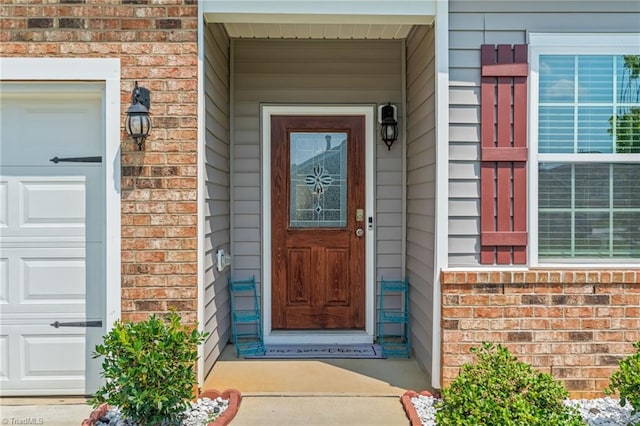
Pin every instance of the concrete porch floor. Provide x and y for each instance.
(320, 377)
(317, 391)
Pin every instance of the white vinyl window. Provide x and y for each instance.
(585, 148)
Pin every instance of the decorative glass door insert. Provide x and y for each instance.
(318, 173)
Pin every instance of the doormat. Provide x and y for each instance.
(319, 351)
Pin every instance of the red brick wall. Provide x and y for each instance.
(156, 41)
(575, 325)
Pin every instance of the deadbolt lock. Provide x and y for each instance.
(359, 215)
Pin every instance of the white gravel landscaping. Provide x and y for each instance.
(595, 412)
(200, 413)
(604, 412)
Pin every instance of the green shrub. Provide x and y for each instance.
(148, 368)
(500, 390)
(626, 380)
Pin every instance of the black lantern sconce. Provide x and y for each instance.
(388, 119)
(138, 122)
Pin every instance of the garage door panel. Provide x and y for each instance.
(4, 281)
(53, 280)
(4, 358)
(44, 208)
(70, 120)
(54, 203)
(4, 203)
(57, 356)
(94, 293)
(43, 281)
(42, 360)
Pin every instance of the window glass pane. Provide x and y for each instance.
(626, 182)
(554, 181)
(627, 130)
(593, 130)
(592, 231)
(628, 76)
(318, 179)
(591, 185)
(556, 78)
(627, 120)
(589, 210)
(554, 234)
(555, 130)
(626, 234)
(595, 79)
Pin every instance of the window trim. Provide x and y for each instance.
(570, 44)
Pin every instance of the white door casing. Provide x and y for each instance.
(57, 239)
(320, 337)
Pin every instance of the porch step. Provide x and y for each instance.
(320, 410)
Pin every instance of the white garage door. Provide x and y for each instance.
(51, 237)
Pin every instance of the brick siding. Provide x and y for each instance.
(575, 325)
(156, 41)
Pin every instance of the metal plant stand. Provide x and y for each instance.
(246, 317)
(393, 321)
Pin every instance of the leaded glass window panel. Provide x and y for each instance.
(318, 180)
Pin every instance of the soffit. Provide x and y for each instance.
(318, 31)
(312, 19)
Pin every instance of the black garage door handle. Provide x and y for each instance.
(57, 160)
(58, 324)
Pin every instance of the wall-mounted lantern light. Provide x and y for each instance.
(388, 119)
(138, 122)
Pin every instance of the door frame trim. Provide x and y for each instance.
(329, 336)
(107, 71)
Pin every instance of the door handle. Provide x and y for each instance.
(359, 232)
(57, 160)
(58, 324)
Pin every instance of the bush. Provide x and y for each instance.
(148, 368)
(626, 380)
(500, 390)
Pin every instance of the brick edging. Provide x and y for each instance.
(234, 397)
(409, 409)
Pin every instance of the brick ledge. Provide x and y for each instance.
(564, 275)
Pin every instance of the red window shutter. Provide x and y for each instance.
(503, 172)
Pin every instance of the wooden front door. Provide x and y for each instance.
(318, 227)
